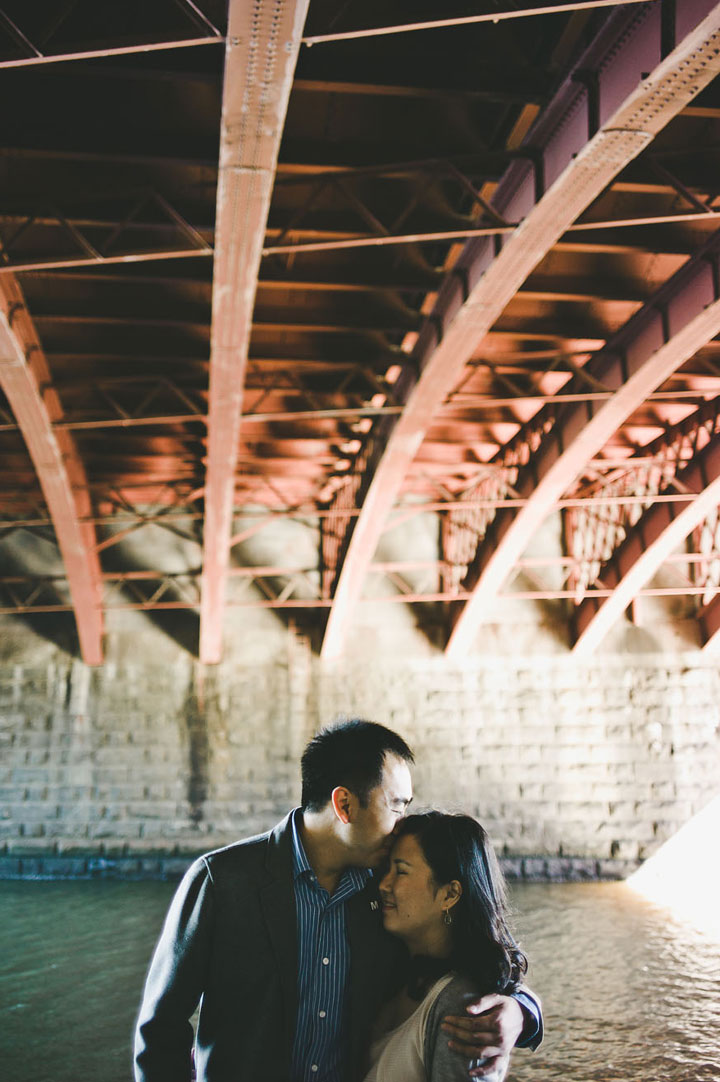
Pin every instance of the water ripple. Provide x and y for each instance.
(629, 993)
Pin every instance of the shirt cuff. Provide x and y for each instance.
(532, 1032)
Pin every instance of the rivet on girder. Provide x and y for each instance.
(624, 357)
(715, 271)
(461, 274)
(591, 81)
(665, 318)
(536, 157)
(13, 310)
(437, 325)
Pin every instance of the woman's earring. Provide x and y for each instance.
(448, 916)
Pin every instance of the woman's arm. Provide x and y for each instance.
(444, 1064)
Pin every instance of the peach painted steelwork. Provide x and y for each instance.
(25, 381)
(653, 538)
(580, 143)
(710, 622)
(262, 47)
(665, 333)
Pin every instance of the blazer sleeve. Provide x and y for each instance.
(533, 1029)
(444, 1065)
(175, 982)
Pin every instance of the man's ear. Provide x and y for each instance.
(341, 800)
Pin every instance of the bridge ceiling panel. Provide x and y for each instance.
(394, 198)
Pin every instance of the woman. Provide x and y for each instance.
(444, 896)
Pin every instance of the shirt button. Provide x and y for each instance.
(314, 1067)
(326, 961)
(322, 1013)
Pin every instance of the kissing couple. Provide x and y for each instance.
(352, 943)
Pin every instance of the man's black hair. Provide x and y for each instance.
(350, 753)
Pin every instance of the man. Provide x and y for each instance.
(280, 938)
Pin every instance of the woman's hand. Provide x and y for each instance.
(489, 1032)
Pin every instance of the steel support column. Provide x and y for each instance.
(669, 329)
(261, 53)
(574, 163)
(26, 383)
(710, 622)
(653, 538)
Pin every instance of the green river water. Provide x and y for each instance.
(629, 993)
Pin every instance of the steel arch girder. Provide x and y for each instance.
(259, 67)
(683, 316)
(547, 198)
(25, 380)
(653, 538)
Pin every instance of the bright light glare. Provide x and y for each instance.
(684, 874)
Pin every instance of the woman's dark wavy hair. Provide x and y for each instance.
(457, 847)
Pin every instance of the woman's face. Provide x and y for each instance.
(412, 904)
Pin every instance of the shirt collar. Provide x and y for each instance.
(356, 878)
(300, 861)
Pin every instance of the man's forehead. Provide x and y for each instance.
(396, 779)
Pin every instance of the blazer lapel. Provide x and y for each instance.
(277, 899)
(366, 986)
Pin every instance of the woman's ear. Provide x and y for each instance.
(451, 894)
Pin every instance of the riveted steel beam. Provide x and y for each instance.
(26, 382)
(30, 606)
(653, 538)
(595, 532)
(95, 54)
(377, 241)
(632, 100)
(210, 35)
(467, 20)
(667, 331)
(261, 53)
(709, 620)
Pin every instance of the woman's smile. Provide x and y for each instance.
(412, 903)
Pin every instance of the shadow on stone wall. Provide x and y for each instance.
(24, 555)
(195, 719)
(182, 626)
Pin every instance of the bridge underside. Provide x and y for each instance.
(280, 279)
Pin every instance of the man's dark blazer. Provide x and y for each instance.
(230, 937)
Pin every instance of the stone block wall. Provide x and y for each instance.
(602, 762)
(576, 769)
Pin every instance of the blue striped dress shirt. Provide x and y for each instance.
(323, 965)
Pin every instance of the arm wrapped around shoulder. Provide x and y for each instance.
(175, 982)
(442, 1063)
